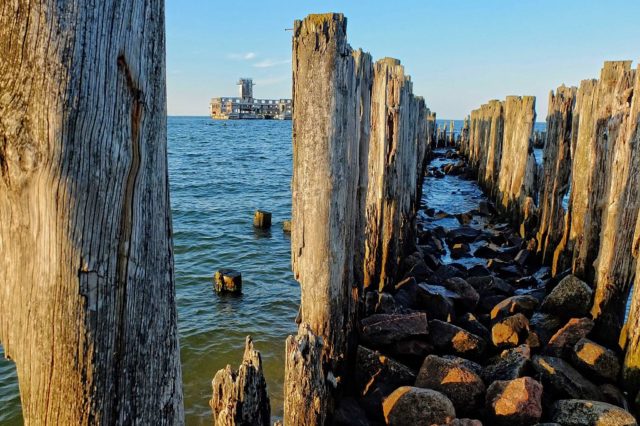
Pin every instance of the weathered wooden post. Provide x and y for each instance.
(86, 258)
(614, 266)
(494, 145)
(556, 171)
(392, 166)
(517, 176)
(325, 179)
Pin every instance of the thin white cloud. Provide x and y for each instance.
(268, 63)
(242, 56)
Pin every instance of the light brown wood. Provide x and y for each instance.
(87, 302)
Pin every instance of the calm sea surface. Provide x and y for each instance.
(220, 172)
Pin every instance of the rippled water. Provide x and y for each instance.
(220, 172)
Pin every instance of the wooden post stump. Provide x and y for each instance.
(262, 219)
(286, 226)
(227, 281)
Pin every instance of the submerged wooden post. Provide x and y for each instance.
(87, 310)
(556, 168)
(614, 266)
(325, 178)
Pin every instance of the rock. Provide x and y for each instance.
(613, 395)
(380, 303)
(577, 412)
(525, 258)
(513, 305)
(489, 285)
(461, 385)
(350, 413)
(470, 323)
(561, 344)
(510, 365)
(467, 363)
(544, 325)
(561, 380)
(487, 251)
(460, 250)
(453, 339)
(570, 298)
(463, 234)
(485, 208)
(376, 376)
(464, 218)
(467, 296)
(510, 331)
(515, 402)
(478, 271)
(443, 273)
(597, 359)
(384, 329)
(413, 349)
(262, 219)
(418, 270)
(411, 406)
(227, 281)
(436, 300)
(463, 422)
(240, 397)
(286, 226)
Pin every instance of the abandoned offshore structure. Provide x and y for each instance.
(247, 108)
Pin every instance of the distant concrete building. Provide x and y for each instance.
(247, 108)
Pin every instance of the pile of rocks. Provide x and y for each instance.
(496, 342)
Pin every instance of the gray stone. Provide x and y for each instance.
(596, 359)
(570, 298)
(561, 380)
(509, 365)
(577, 412)
(450, 338)
(384, 329)
(411, 406)
(515, 402)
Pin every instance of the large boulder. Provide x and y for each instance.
(450, 338)
(437, 300)
(561, 380)
(561, 344)
(411, 406)
(570, 298)
(460, 384)
(523, 304)
(463, 234)
(577, 412)
(510, 331)
(596, 359)
(384, 329)
(545, 325)
(515, 402)
(488, 285)
(376, 376)
(510, 365)
(469, 322)
(467, 295)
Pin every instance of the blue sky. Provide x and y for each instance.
(459, 53)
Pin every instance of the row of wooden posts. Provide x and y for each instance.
(591, 154)
(360, 141)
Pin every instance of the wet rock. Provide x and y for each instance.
(376, 376)
(467, 296)
(577, 412)
(464, 218)
(596, 359)
(487, 251)
(380, 303)
(450, 338)
(509, 365)
(406, 292)
(525, 258)
(570, 298)
(460, 250)
(470, 323)
(561, 380)
(444, 273)
(486, 208)
(437, 300)
(515, 402)
(416, 267)
(562, 342)
(412, 406)
(286, 226)
(511, 331)
(467, 363)
(545, 325)
(489, 286)
(385, 329)
(463, 234)
(461, 385)
(412, 350)
(478, 271)
(514, 305)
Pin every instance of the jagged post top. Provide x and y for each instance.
(329, 24)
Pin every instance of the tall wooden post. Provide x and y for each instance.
(87, 310)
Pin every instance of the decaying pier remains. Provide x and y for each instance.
(366, 152)
(591, 152)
